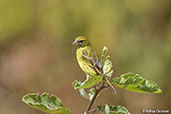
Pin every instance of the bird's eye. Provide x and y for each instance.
(81, 41)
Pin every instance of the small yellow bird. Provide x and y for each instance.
(87, 59)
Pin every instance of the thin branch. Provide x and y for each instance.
(101, 86)
(95, 88)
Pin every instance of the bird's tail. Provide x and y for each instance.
(107, 81)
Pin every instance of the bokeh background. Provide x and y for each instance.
(36, 52)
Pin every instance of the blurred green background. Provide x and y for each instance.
(36, 52)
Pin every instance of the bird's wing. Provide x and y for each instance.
(93, 61)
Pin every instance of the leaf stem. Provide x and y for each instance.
(101, 86)
(93, 111)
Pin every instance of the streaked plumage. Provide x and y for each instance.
(87, 59)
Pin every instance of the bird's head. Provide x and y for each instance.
(81, 41)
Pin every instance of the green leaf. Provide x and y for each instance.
(108, 67)
(104, 51)
(89, 82)
(105, 109)
(135, 82)
(84, 94)
(91, 93)
(45, 102)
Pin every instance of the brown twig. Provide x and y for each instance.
(101, 86)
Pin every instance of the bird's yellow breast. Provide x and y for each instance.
(84, 63)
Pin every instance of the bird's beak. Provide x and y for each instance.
(75, 43)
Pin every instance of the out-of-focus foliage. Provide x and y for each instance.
(16, 17)
(36, 53)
